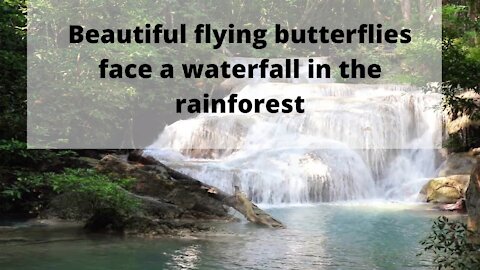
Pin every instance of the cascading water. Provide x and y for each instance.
(354, 142)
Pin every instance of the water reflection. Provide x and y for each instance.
(185, 258)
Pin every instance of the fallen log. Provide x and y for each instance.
(182, 190)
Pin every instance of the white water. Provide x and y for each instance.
(355, 142)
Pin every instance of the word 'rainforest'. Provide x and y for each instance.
(232, 104)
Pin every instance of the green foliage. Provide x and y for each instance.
(461, 57)
(80, 193)
(448, 244)
(422, 49)
(455, 143)
(461, 71)
(24, 193)
(13, 69)
(88, 192)
(23, 184)
(15, 153)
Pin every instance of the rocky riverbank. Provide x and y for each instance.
(156, 201)
(448, 190)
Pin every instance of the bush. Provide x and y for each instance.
(75, 193)
(23, 193)
(461, 72)
(87, 192)
(13, 69)
(15, 153)
(423, 49)
(449, 246)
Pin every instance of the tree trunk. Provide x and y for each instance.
(406, 10)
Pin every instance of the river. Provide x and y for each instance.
(361, 235)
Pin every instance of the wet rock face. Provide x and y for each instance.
(472, 202)
(147, 226)
(162, 195)
(457, 164)
(453, 179)
(167, 195)
(167, 205)
(105, 220)
(445, 189)
(109, 222)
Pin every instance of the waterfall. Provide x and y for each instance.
(354, 142)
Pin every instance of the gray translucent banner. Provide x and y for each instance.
(70, 105)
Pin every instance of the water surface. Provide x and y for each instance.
(325, 236)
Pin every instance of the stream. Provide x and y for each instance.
(361, 235)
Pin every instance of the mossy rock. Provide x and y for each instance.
(445, 189)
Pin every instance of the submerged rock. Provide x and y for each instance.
(445, 189)
(459, 206)
(148, 226)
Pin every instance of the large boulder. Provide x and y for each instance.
(164, 195)
(445, 189)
